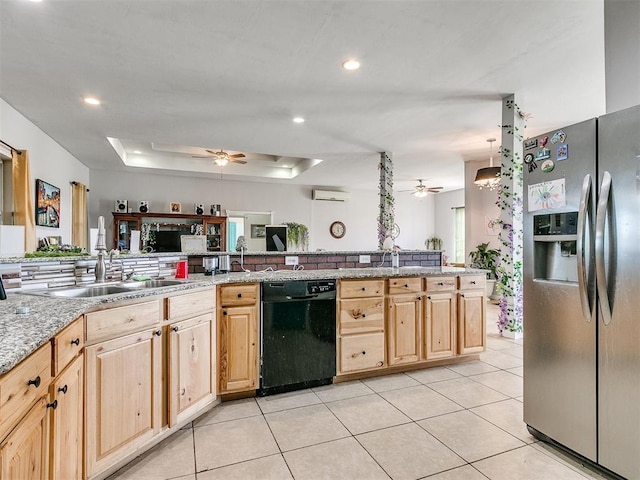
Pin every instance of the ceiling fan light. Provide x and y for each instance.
(221, 162)
(488, 177)
(420, 193)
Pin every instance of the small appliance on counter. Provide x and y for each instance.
(210, 265)
(224, 264)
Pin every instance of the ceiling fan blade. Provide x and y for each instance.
(201, 156)
(211, 151)
(237, 155)
(233, 160)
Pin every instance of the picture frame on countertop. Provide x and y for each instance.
(193, 243)
(47, 204)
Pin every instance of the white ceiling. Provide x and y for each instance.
(231, 74)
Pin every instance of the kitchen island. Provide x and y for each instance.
(166, 355)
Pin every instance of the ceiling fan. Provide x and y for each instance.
(222, 158)
(421, 190)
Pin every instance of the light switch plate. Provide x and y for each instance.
(365, 259)
(291, 260)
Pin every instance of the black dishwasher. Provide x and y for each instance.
(298, 348)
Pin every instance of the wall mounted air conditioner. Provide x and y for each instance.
(331, 195)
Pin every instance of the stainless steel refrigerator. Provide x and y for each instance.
(582, 289)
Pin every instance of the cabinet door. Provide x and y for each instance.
(24, 454)
(67, 422)
(238, 354)
(191, 366)
(405, 313)
(123, 398)
(471, 322)
(439, 326)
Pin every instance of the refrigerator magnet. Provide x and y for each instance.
(543, 154)
(547, 166)
(543, 141)
(559, 137)
(528, 158)
(530, 143)
(562, 152)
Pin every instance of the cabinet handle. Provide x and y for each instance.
(35, 383)
(63, 389)
(462, 294)
(428, 297)
(406, 285)
(175, 329)
(157, 333)
(224, 312)
(473, 282)
(363, 289)
(441, 283)
(354, 355)
(379, 364)
(239, 295)
(76, 342)
(364, 315)
(53, 405)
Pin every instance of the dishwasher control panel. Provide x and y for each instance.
(314, 288)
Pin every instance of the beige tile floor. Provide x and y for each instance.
(447, 423)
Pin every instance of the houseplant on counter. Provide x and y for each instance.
(487, 259)
(297, 237)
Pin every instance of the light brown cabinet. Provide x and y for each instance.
(67, 421)
(440, 325)
(123, 396)
(404, 328)
(24, 453)
(361, 325)
(472, 314)
(192, 380)
(238, 338)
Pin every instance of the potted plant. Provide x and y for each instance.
(297, 236)
(487, 259)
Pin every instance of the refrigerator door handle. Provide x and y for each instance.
(601, 273)
(585, 214)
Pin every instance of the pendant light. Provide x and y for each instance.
(488, 177)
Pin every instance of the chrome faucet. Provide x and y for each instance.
(101, 266)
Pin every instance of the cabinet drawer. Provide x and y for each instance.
(361, 352)
(21, 386)
(440, 284)
(405, 285)
(241, 294)
(471, 282)
(361, 315)
(67, 345)
(115, 322)
(361, 288)
(190, 304)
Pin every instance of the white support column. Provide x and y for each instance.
(510, 203)
(386, 216)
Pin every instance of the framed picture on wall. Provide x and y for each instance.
(47, 204)
(258, 231)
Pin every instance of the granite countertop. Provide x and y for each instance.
(22, 334)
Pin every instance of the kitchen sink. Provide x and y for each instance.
(150, 284)
(82, 292)
(101, 290)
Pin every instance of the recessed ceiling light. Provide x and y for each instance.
(298, 120)
(92, 101)
(351, 64)
(137, 152)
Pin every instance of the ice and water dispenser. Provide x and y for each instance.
(554, 239)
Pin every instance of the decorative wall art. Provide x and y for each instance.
(47, 204)
(258, 231)
(175, 207)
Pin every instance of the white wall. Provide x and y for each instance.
(480, 205)
(445, 219)
(48, 161)
(289, 203)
